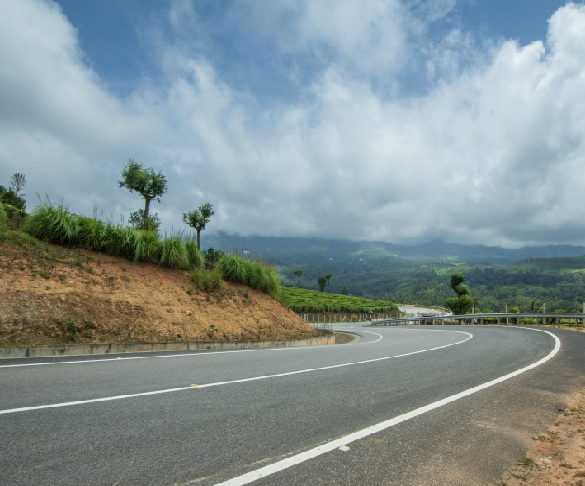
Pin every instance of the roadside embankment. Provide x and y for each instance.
(93, 349)
(55, 296)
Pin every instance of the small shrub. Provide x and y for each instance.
(211, 257)
(3, 219)
(71, 329)
(205, 280)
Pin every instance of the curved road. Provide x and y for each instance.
(402, 405)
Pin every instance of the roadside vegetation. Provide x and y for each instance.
(140, 241)
(52, 256)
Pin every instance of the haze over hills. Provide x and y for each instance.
(280, 250)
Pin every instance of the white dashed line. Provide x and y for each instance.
(208, 385)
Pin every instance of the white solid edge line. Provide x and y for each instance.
(330, 446)
(27, 364)
(372, 342)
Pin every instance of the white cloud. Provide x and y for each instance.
(492, 155)
(364, 35)
(58, 124)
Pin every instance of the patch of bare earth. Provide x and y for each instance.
(54, 296)
(557, 457)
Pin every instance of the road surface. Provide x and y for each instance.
(402, 405)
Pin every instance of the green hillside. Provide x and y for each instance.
(303, 300)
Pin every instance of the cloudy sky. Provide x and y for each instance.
(394, 120)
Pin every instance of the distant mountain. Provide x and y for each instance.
(498, 277)
(283, 250)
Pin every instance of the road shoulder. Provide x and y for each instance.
(345, 337)
(557, 456)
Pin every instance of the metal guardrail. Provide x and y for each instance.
(465, 319)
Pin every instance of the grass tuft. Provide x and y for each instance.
(254, 273)
(53, 223)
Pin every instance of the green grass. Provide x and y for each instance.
(371, 250)
(54, 223)
(253, 272)
(303, 300)
(3, 219)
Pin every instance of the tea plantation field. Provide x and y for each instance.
(303, 300)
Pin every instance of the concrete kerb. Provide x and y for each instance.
(90, 349)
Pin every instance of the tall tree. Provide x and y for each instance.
(17, 182)
(463, 301)
(146, 182)
(198, 218)
(298, 273)
(324, 281)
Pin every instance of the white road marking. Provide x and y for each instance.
(336, 366)
(100, 360)
(208, 385)
(27, 364)
(200, 354)
(348, 439)
(372, 342)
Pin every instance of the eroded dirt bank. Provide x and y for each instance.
(51, 295)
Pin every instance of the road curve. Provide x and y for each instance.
(407, 405)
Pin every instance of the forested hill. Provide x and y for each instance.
(281, 250)
(421, 274)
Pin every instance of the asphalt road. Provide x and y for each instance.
(414, 405)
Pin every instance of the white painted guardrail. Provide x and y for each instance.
(465, 319)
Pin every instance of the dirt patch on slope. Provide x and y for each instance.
(557, 457)
(54, 295)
